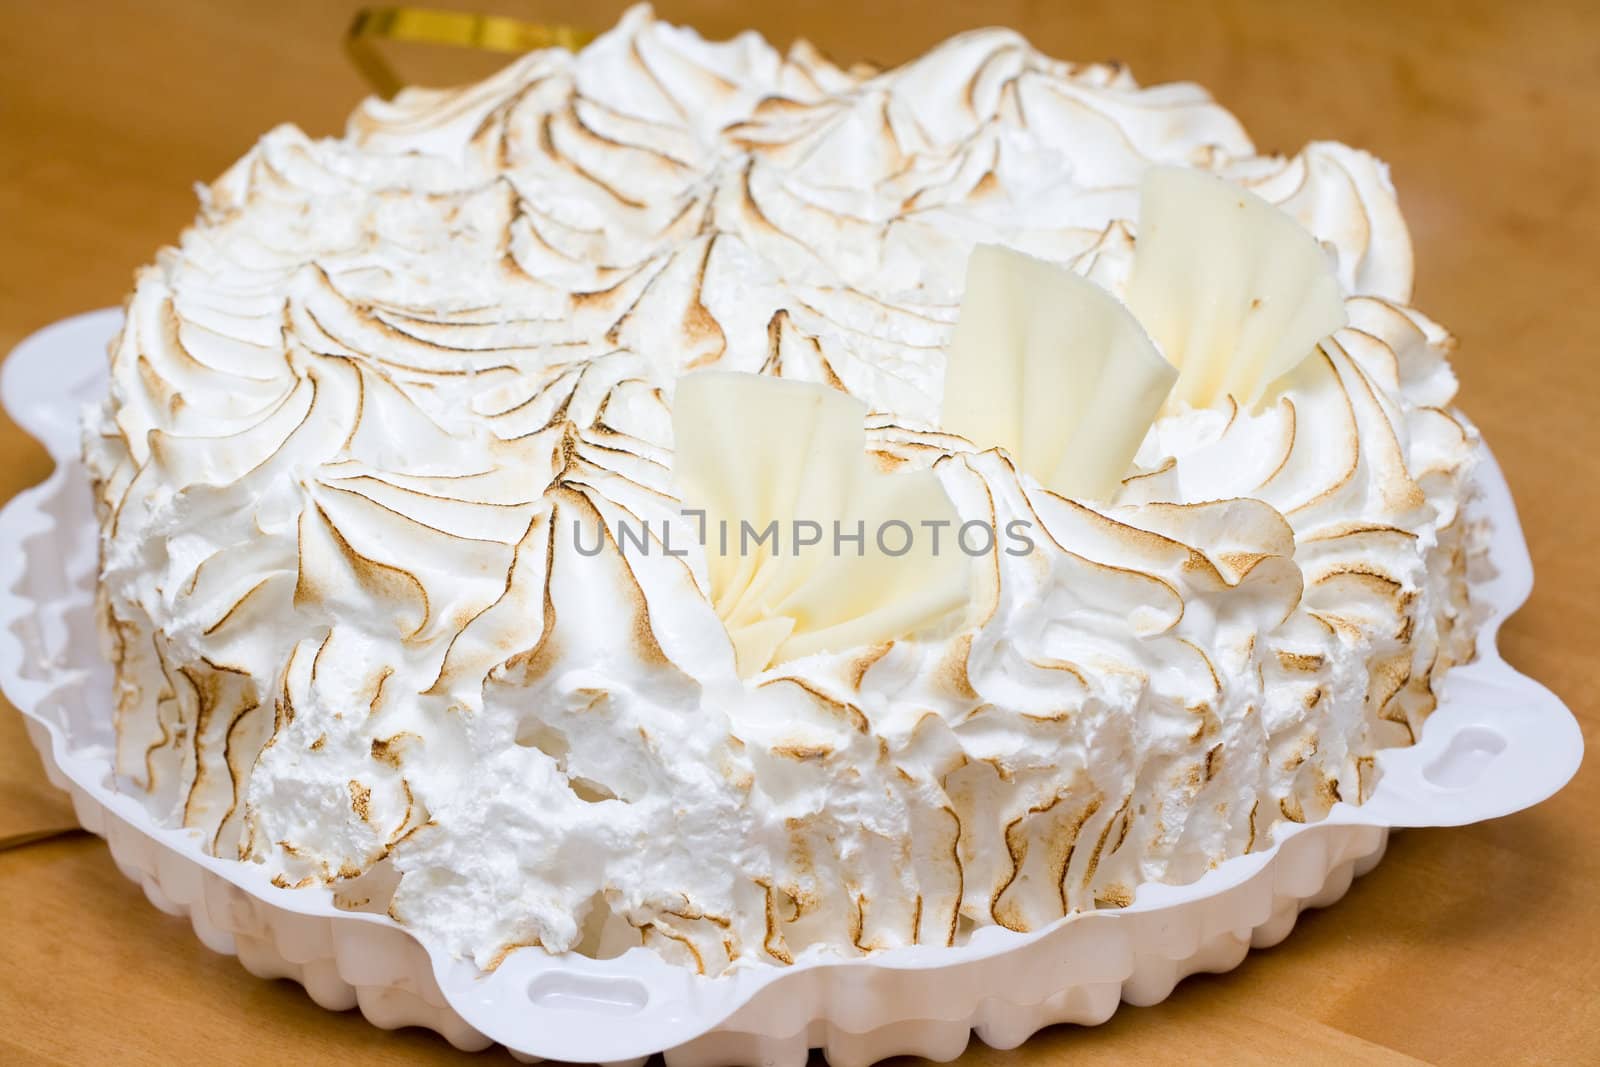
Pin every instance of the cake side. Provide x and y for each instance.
(367, 417)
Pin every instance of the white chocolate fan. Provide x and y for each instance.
(1227, 294)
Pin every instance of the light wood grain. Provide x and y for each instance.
(1465, 946)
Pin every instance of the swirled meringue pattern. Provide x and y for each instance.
(359, 413)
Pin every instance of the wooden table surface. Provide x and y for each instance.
(1465, 946)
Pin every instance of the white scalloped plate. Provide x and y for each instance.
(1498, 743)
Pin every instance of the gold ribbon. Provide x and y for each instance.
(459, 29)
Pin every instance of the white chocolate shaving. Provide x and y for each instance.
(1234, 290)
(752, 451)
(1052, 368)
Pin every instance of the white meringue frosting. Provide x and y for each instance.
(358, 414)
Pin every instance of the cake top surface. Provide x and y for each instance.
(367, 416)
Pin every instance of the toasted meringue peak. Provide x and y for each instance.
(1051, 367)
(380, 425)
(758, 456)
(1234, 290)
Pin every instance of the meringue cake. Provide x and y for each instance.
(406, 465)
